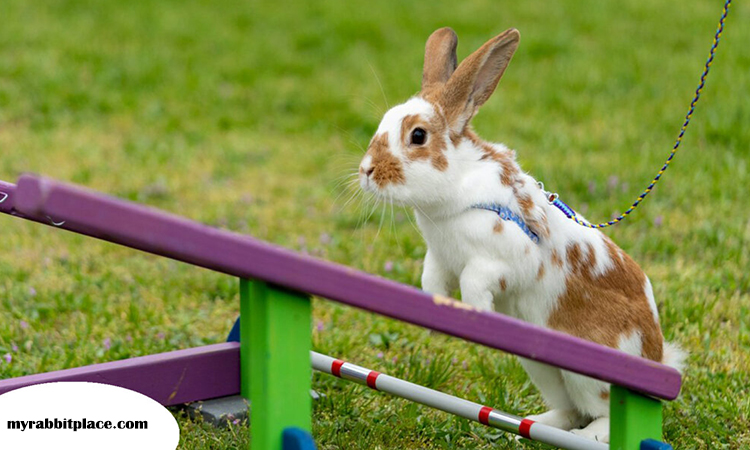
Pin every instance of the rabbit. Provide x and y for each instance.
(491, 231)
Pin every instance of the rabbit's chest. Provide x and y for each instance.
(476, 235)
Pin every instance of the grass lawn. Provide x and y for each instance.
(252, 115)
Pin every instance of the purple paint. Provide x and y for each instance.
(169, 378)
(174, 237)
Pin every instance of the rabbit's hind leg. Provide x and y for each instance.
(550, 383)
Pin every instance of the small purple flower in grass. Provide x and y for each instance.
(454, 360)
(325, 238)
(235, 421)
(388, 267)
(464, 364)
(24, 325)
(428, 361)
(8, 358)
(612, 182)
(658, 221)
(107, 343)
(380, 355)
(14, 347)
(394, 359)
(32, 291)
(320, 326)
(160, 335)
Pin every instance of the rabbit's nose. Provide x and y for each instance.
(366, 172)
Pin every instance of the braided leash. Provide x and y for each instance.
(571, 214)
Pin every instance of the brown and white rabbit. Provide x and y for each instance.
(491, 231)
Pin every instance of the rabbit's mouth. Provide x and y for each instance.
(388, 193)
(365, 181)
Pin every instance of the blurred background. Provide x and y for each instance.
(253, 116)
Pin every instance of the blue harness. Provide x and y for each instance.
(506, 214)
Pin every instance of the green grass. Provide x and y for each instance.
(245, 115)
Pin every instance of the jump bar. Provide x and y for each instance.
(453, 405)
(157, 232)
(170, 378)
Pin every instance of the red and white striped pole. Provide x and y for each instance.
(453, 405)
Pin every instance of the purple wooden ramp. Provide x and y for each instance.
(169, 378)
(167, 235)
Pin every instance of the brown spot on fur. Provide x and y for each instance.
(540, 272)
(604, 395)
(604, 307)
(456, 138)
(556, 260)
(536, 220)
(386, 167)
(510, 170)
(526, 203)
(498, 228)
(503, 284)
(434, 148)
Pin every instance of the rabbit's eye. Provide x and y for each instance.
(418, 136)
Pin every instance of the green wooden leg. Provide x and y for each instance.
(275, 347)
(633, 418)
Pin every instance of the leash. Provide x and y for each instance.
(554, 199)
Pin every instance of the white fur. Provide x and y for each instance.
(674, 356)
(651, 301)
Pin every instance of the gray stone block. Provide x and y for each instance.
(221, 411)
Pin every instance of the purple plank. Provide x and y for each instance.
(169, 378)
(164, 234)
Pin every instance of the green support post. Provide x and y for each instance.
(275, 342)
(633, 418)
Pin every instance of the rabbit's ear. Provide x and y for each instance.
(476, 78)
(439, 58)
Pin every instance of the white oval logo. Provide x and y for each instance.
(84, 416)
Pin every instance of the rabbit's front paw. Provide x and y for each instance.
(597, 430)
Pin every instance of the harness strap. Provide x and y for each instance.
(506, 214)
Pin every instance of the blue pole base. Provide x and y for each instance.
(297, 439)
(651, 444)
(234, 334)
